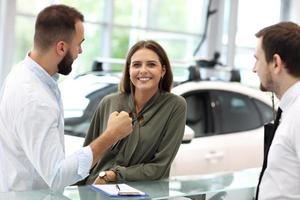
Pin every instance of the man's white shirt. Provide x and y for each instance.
(32, 134)
(281, 179)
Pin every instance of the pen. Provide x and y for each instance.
(118, 187)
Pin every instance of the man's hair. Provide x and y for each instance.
(167, 80)
(283, 39)
(55, 23)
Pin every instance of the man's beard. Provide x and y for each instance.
(65, 65)
(263, 88)
(268, 86)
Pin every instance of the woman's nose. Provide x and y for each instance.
(143, 67)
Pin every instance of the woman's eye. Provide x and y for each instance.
(135, 65)
(151, 64)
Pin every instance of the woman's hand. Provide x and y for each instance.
(109, 176)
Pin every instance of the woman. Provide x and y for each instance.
(158, 119)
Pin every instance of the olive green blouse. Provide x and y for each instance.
(148, 152)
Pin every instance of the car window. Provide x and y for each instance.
(236, 112)
(97, 96)
(265, 111)
(198, 113)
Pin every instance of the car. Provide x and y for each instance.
(224, 125)
(81, 96)
(227, 119)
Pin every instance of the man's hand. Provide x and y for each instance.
(120, 124)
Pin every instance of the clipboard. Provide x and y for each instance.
(118, 190)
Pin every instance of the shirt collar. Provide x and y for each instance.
(149, 103)
(290, 96)
(39, 71)
(144, 112)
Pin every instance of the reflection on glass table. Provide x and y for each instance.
(238, 185)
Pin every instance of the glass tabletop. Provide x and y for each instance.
(237, 185)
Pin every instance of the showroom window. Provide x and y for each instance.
(251, 17)
(112, 26)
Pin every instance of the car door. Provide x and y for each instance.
(228, 133)
(205, 153)
(241, 122)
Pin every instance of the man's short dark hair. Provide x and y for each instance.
(55, 23)
(283, 39)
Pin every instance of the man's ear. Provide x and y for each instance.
(61, 48)
(278, 63)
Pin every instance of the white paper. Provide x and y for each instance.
(113, 190)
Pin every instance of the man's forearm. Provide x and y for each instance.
(101, 144)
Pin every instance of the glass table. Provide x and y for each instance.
(236, 185)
